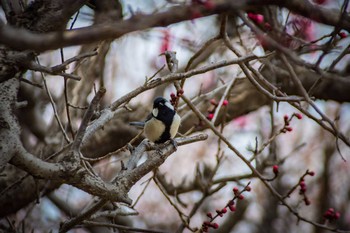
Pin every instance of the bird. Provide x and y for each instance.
(162, 123)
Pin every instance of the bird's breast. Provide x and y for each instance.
(154, 129)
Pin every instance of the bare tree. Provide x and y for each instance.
(284, 64)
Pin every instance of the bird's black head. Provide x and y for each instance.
(163, 110)
(162, 103)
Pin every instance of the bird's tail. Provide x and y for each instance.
(137, 124)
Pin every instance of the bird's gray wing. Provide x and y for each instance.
(140, 124)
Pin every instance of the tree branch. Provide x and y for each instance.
(130, 177)
(127, 178)
(48, 41)
(9, 129)
(88, 114)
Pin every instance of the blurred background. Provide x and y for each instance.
(163, 199)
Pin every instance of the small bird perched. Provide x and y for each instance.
(162, 123)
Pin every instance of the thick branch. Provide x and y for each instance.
(130, 177)
(54, 40)
(127, 178)
(9, 129)
(35, 166)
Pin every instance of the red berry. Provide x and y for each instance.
(299, 116)
(259, 19)
(275, 169)
(206, 223)
(172, 96)
(248, 188)
(232, 208)
(289, 128)
(342, 35)
(210, 116)
(331, 214)
(337, 215)
(225, 103)
(252, 16)
(180, 92)
(235, 189)
(215, 225)
(311, 173)
(224, 210)
(213, 102)
(331, 210)
(209, 215)
(241, 197)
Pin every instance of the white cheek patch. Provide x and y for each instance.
(169, 105)
(155, 112)
(175, 125)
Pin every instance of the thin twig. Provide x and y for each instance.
(65, 92)
(142, 192)
(223, 97)
(81, 217)
(74, 20)
(31, 83)
(255, 172)
(58, 70)
(181, 75)
(87, 116)
(341, 55)
(49, 70)
(200, 51)
(184, 218)
(334, 33)
(154, 75)
(287, 195)
(70, 126)
(298, 83)
(125, 147)
(252, 168)
(54, 106)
